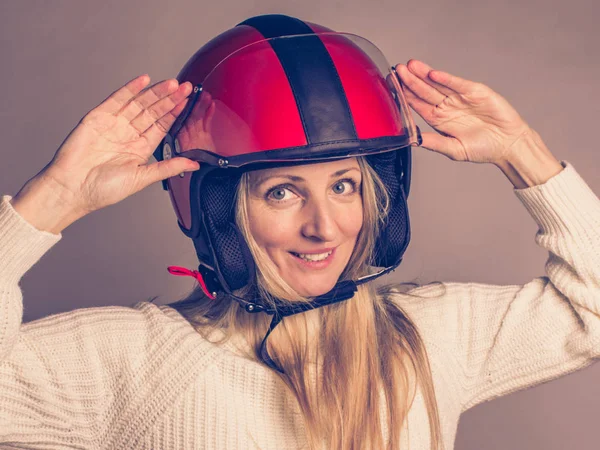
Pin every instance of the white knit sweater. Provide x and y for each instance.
(142, 378)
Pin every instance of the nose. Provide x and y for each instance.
(319, 221)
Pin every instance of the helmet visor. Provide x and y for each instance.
(293, 98)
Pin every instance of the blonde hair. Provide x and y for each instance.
(366, 351)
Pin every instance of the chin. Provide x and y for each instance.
(309, 284)
(315, 290)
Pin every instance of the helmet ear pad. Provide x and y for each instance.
(232, 259)
(394, 235)
(234, 265)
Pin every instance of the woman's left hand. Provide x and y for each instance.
(474, 123)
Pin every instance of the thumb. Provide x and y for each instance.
(444, 144)
(168, 168)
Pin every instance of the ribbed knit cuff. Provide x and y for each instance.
(21, 244)
(564, 204)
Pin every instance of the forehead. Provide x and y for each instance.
(305, 171)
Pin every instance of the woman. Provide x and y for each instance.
(357, 368)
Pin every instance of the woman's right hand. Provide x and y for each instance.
(104, 158)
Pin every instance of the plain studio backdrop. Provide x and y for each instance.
(61, 58)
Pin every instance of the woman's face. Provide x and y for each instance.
(307, 219)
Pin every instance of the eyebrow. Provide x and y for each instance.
(296, 178)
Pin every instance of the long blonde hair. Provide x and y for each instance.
(366, 351)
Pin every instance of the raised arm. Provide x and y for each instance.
(94, 377)
(505, 338)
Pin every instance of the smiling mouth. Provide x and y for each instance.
(313, 257)
(316, 261)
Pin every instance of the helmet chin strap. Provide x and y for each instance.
(343, 290)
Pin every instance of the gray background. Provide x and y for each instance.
(61, 58)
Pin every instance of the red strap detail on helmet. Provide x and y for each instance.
(183, 272)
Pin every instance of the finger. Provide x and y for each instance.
(119, 98)
(421, 107)
(155, 133)
(446, 82)
(447, 146)
(148, 97)
(156, 111)
(168, 168)
(423, 71)
(422, 89)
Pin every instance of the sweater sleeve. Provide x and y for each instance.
(502, 339)
(89, 378)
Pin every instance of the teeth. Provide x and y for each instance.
(313, 257)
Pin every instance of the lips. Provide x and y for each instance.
(312, 256)
(315, 252)
(321, 264)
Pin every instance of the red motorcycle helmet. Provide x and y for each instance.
(275, 90)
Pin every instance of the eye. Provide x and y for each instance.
(283, 193)
(278, 194)
(340, 187)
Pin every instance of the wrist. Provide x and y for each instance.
(530, 162)
(44, 205)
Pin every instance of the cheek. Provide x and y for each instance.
(271, 228)
(352, 220)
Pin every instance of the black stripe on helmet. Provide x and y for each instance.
(313, 78)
